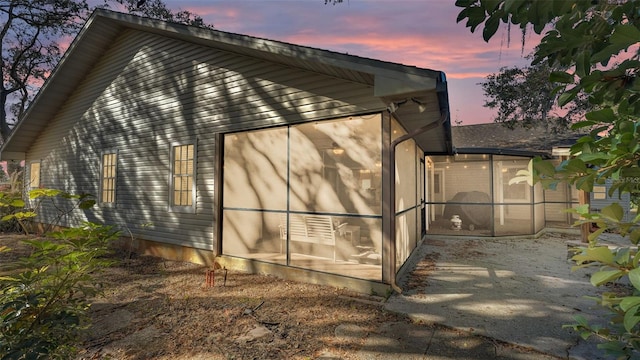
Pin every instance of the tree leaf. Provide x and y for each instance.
(594, 235)
(566, 97)
(605, 276)
(490, 27)
(634, 237)
(490, 5)
(561, 77)
(634, 277)
(583, 124)
(512, 5)
(605, 115)
(600, 254)
(631, 319)
(543, 167)
(629, 302)
(623, 36)
(613, 211)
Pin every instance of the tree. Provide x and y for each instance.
(157, 9)
(524, 96)
(32, 33)
(30, 48)
(597, 42)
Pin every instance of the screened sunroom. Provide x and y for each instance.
(311, 195)
(477, 190)
(306, 195)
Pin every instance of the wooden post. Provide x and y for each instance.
(585, 229)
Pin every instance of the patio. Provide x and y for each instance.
(520, 291)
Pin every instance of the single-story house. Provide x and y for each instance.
(267, 156)
(474, 183)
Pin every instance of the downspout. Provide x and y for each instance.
(392, 189)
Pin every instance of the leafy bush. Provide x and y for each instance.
(43, 308)
(621, 335)
(10, 203)
(592, 48)
(63, 202)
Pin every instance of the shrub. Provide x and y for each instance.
(43, 308)
(621, 333)
(63, 202)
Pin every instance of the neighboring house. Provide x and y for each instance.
(599, 198)
(270, 156)
(474, 183)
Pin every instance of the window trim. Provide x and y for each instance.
(102, 177)
(182, 208)
(30, 183)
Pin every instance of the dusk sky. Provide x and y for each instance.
(421, 33)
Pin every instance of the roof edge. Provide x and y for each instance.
(499, 151)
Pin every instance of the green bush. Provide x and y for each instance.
(10, 203)
(592, 48)
(62, 202)
(43, 308)
(613, 266)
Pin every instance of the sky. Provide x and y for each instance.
(421, 33)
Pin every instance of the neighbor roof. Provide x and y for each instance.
(496, 138)
(391, 82)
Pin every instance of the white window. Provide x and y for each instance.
(182, 182)
(108, 177)
(34, 175)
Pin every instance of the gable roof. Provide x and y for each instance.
(391, 82)
(497, 138)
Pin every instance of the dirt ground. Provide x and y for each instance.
(156, 309)
(163, 310)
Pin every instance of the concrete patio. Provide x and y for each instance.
(518, 290)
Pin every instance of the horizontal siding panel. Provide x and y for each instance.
(147, 93)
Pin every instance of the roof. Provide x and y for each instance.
(391, 82)
(497, 138)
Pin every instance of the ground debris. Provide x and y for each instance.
(164, 306)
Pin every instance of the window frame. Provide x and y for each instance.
(39, 182)
(29, 183)
(182, 208)
(102, 178)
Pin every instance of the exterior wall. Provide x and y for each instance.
(148, 93)
(600, 199)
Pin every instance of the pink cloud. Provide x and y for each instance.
(421, 33)
(418, 33)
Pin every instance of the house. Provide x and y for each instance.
(474, 183)
(268, 156)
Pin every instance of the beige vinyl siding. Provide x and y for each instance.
(149, 92)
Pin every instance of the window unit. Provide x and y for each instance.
(108, 177)
(182, 196)
(34, 175)
(33, 180)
